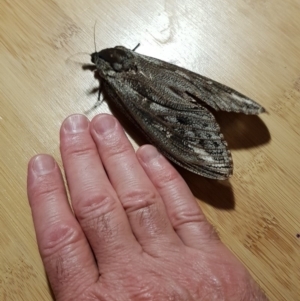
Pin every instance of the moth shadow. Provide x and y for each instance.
(242, 131)
(218, 194)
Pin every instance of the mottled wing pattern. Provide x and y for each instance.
(184, 131)
(214, 94)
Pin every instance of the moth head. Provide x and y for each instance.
(115, 57)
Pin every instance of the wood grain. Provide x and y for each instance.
(250, 45)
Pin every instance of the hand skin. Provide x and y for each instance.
(137, 235)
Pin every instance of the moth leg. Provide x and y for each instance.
(99, 92)
(98, 102)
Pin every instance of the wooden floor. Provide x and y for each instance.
(250, 45)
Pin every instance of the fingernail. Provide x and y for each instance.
(43, 164)
(75, 124)
(149, 153)
(104, 124)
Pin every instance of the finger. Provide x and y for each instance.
(186, 216)
(143, 204)
(94, 200)
(66, 254)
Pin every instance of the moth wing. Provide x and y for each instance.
(210, 92)
(185, 132)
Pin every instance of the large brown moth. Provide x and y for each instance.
(166, 103)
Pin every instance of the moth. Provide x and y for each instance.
(168, 104)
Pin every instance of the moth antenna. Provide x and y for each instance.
(138, 45)
(95, 36)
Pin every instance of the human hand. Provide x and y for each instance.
(138, 234)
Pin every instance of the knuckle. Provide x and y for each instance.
(47, 187)
(181, 218)
(59, 238)
(117, 148)
(59, 249)
(143, 206)
(77, 147)
(94, 204)
(185, 215)
(95, 214)
(139, 199)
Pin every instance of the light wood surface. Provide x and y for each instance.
(250, 45)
